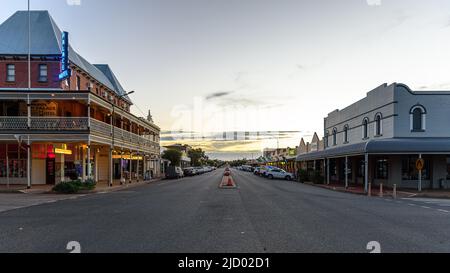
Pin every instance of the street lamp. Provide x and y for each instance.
(113, 130)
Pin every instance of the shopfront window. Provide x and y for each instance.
(361, 168)
(410, 172)
(448, 168)
(13, 161)
(382, 170)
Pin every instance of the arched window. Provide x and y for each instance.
(334, 137)
(418, 118)
(365, 128)
(326, 139)
(378, 124)
(346, 134)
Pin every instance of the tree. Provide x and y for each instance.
(197, 156)
(174, 156)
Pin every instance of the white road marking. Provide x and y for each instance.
(424, 207)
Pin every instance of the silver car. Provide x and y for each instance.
(279, 174)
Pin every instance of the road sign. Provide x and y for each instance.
(420, 164)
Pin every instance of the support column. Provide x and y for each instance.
(89, 167)
(137, 167)
(130, 166)
(328, 171)
(346, 172)
(96, 155)
(28, 112)
(28, 163)
(63, 173)
(420, 176)
(89, 113)
(366, 173)
(83, 164)
(111, 167)
(122, 180)
(7, 167)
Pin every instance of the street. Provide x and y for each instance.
(193, 215)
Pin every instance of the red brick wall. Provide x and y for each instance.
(53, 68)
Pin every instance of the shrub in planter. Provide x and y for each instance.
(73, 187)
(67, 188)
(89, 185)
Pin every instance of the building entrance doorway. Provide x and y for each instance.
(50, 171)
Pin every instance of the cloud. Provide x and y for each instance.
(438, 86)
(218, 95)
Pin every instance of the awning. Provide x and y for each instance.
(384, 146)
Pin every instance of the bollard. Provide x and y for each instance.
(394, 193)
(381, 190)
(370, 190)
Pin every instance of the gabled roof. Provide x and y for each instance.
(46, 40)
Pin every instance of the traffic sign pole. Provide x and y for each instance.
(420, 172)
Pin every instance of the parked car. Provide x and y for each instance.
(276, 173)
(190, 171)
(199, 170)
(264, 170)
(174, 173)
(257, 171)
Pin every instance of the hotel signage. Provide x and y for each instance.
(65, 70)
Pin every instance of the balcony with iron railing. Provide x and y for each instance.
(55, 125)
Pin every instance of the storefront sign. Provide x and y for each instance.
(62, 151)
(65, 70)
(127, 157)
(44, 109)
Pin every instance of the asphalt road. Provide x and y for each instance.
(192, 215)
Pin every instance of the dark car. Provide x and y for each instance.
(174, 173)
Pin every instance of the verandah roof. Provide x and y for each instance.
(384, 146)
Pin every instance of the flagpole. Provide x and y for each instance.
(29, 47)
(28, 101)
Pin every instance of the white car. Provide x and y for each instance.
(279, 174)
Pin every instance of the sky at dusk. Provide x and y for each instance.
(272, 68)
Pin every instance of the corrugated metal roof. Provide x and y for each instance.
(386, 146)
(46, 40)
(106, 70)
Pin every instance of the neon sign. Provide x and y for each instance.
(65, 70)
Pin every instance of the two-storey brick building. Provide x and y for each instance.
(78, 128)
(394, 136)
